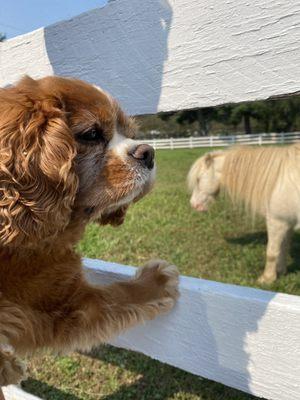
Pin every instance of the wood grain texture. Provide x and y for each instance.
(160, 55)
(242, 337)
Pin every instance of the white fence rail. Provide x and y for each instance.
(242, 337)
(223, 141)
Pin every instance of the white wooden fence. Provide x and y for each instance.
(223, 141)
(163, 55)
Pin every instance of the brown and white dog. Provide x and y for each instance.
(67, 157)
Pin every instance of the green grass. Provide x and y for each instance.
(221, 245)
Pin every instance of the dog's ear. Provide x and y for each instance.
(114, 218)
(38, 182)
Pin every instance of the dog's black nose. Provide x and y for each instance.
(145, 154)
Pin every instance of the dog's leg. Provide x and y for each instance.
(1, 395)
(12, 370)
(279, 235)
(99, 313)
(14, 327)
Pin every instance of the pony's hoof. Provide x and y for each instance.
(266, 280)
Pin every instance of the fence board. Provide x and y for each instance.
(165, 55)
(242, 337)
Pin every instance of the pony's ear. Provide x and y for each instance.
(38, 182)
(114, 218)
(208, 159)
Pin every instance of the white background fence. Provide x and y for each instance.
(222, 141)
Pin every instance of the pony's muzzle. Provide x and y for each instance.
(198, 206)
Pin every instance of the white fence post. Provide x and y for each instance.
(191, 142)
(260, 140)
(211, 141)
(171, 143)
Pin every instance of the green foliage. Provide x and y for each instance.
(272, 115)
(2, 37)
(203, 116)
(281, 115)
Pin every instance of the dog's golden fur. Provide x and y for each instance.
(55, 178)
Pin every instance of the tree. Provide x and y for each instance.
(2, 37)
(206, 116)
(203, 117)
(243, 112)
(285, 114)
(281, 115)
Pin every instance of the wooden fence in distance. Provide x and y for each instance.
(224, 141)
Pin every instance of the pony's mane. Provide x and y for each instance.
(249, 174)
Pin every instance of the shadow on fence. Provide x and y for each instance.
(114, 42)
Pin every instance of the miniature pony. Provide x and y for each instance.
(266, 180)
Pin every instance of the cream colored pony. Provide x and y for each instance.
(266, 180)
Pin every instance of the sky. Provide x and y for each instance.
(22, 16)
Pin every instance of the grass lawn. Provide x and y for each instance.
(221, 245)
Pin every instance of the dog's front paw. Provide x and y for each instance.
(12, 370)
(160, 282)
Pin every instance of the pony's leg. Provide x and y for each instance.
(286, 245)
(279, 235)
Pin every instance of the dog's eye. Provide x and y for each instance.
(93, 135)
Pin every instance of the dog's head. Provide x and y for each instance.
(66, 151)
